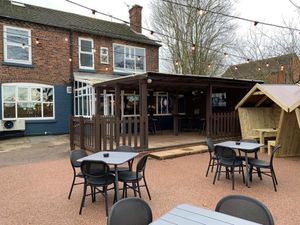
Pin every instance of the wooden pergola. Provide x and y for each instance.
(225, 123)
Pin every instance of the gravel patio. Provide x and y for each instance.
(36, 192)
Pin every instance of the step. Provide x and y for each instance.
(178, 152)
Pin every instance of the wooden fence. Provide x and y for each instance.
(225, 124)
(102, 133)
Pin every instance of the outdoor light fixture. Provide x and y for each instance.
(267, 64)
(149, 80)
(235, 67)
(259, 69)
(66, 39)
(37, 41)
(281, 67)
(193, 47)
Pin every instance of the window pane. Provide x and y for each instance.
(36, 94)
(48, 94)
(23, 94)
(104, 51)
(119, 56)
(48, 109)
(86, 60)
(104, 58)
(139, 58)
(17, 36)
(18, 53)
(29, 109)
(129, 105)
(137, 104)
(9, 110)
(9, 93)
(129, 64)
(86, 46)
(163, 104)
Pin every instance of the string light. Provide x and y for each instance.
(255, 23)
(281, 67)
(226, 54)
(151, 32)
(66, 39)
(209, 66)
(37, 41)
(267, 64)
(70, 60)
(248, 60)
(193, 47)
(106, 68)
(259, 69)
(235, 67)
(23, 45)
(94, 50)
(200, 12)
(176, 63)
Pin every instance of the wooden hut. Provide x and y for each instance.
(272, 111)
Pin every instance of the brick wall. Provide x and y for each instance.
(50, 58)
(151, 53)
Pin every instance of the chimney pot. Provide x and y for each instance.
(135, 16)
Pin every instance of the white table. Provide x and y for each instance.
(245, 147)
(186, 214)
(115, 158)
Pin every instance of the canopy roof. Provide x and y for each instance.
(285, 96)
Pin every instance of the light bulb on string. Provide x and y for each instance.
(200, 12)
(235, 67)
(37, 41)
(281, 67)
(259, 68)
(209, 66)
(193, 47)
(267, 64)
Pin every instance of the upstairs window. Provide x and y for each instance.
(104, 55)
(17, 45)
(129, 59)
(86, 54)
(27, 101)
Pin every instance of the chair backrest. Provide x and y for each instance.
(246, 208)
(141, 165)
(94, 168)
(210, 145)
(125, 148)
(75, 155)
(224, 152)
(274, 150)
(130, 211)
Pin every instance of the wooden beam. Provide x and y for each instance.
(143, 114)
(175, 115)
(297, 111)
(208, 110)
(117, 113)
(264, 98)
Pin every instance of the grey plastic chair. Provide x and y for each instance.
(265, 167)
(212, 157)
(130, 211)
(74, 156)
(246, 208)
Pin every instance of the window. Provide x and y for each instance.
(17, 45)
(104, 55)
(129, 59)
(28, 101)
(84, 102)
(130, 104)
(86, 54)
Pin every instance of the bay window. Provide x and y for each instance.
(28, 101)
(129, 59)
(17, 45)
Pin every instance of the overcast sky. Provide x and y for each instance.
(271, 11)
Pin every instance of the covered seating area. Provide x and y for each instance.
(176, 103)
(271, 113)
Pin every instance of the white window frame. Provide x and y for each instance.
(101, 54)
(157, 95)
(124, 70)
(123, 94)
(29, 86)
(78, 97)
(84, 52)
(27, 45)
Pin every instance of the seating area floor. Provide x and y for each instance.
(35, 192)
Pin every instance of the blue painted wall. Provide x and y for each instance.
(59, 125)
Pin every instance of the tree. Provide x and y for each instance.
(196, 38)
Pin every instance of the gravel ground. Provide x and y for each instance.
(35, 191)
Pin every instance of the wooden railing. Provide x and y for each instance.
(224, 124)
(101, 133)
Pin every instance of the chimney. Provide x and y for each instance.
(135, 16)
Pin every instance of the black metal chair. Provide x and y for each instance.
(226, 157)
(134, 178)
(130, 211)
(124, 148)
(96, 175)
(74, 156)
(212, 157)
(246, 208)
(261, 166)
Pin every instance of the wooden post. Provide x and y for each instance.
(208, 110)
(81, 127)
(175, 115)
(143, 114)
(117, 114)
(71, 128)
